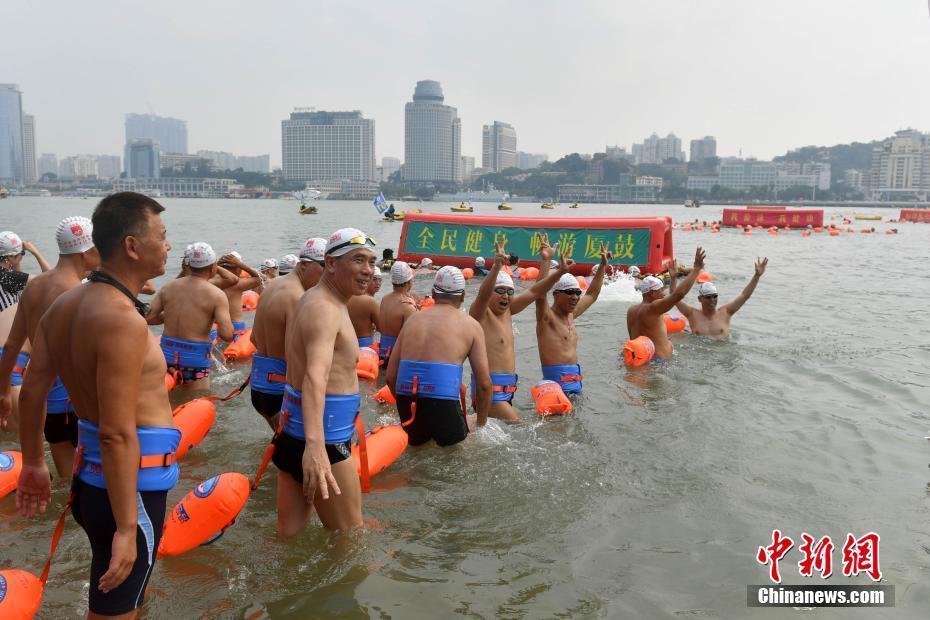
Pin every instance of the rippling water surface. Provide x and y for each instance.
(650, 501)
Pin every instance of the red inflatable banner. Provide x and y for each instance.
(778, 217)
(915, 215)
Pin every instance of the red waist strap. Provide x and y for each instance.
(19, 369)
(509, 389)
(275, 378)
(575, 377)
(156, 460)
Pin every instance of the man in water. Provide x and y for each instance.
(288, 264)
(365, 311)
(494, 309)
(427, 265)
(269, 331)
(396, 307)
(76, 257)
(95, 338)
(555, 325)
(387, 259)
(479, 268)
(321, 398)
(711, 320)
(269, 269)
(389, 212)
(425, 371)
(513, 265)
(645, 319)
(188, 307)
(233, 263)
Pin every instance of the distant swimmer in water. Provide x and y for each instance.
(269, 330)
(425, 371)
(479, 268)
(645, 319)
(494, 309)
(555, 324)
(364, 311)
(396, 308)
(94, 337)
(427, 265)
(188, 307)
(77, 256)
(710, 319)
(269, 269)
(233, 263)
(321, 399)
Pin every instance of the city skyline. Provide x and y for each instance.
(722, 67)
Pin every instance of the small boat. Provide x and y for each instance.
(573, 206)
(305, 210)
(463, 208)
(400, 215)
(547, 205)
(504, 207)
(869, 217)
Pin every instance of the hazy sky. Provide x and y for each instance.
(570, 75)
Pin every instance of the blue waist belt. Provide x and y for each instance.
(338, 415)
(213, 335)
(58, 401)
(503, 386)
(366, 341)
(22, 360)
(238, 329)
(157, 469)
(434, 379)
(387, 343)
(568, 375)
(269, 374)
(186, 353)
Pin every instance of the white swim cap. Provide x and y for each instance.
(236, 254)
(345, 240)
(401, 273)
(74, 235)
(426, 262)
(504, 279)
(706, 288)
(566, 283)
(634, 271)
(200, 255)
(268, 264)
(187, 255)
(314, 249)
(10, 243)
(449, 280)
(650, 283)
(287, 263)
(479, 261)
(376, 274)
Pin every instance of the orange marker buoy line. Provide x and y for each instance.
(194, 420)
(550, 399)
(638, 351)
(204, 514)
(384, 445)
(367, 365)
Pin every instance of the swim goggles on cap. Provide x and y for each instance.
(358, 240)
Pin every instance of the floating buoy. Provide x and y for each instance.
(203, 514)
(818, 229)
(20, 594)
(686, 228)
(170, 381)
(834, 233)
(11, 463)
(194, 420)
(384, 396)
(582, 283)
(674, 324)
(367, 365)
(806, 233)
(242, 349)
(773, 231)
(468, 273)
(705, 276)
(638, 351)
(865, 230)
(383, 445)
(427, 302)
(530, 273)
(747, 230)
(890, 231)
(714, 230)
(249, 301)
(550, 399)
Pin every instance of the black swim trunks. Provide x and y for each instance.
(289, 454)
(440, 420)
(91, 509)
(268, 405)
(60, 427)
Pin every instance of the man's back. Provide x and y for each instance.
(190, 308)
(40, 293)
(396, 308)
(642, 321)
(441, 333)
(275, 307)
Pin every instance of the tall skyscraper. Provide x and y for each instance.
(142, 159)
(432, 137)
(11, 134)
(528, 161)
(170, 133)
(901, 166)
(468, 168)
(108, 166)
(29, 149)
(703, 148)
(498, 147)
(328, 146)
(389, 165)
(655, 150)
(48, 164)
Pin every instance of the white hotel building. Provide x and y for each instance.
(328, 146)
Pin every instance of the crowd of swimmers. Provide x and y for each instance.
(81, 370)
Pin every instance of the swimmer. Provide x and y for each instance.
(387, 259)
(188, 307)
(232, 262)
(494, 309)
(269, 330)
(269, 269)
(479, 268)
(95, 338)
(76, 257)
(321, 398)
(711, 320)
(512, 265)
(555, 325)
(288, 264)
(645, 319)
(426, 264)
(634, 272)
(364, 311)
(425, 371)
(396, 308)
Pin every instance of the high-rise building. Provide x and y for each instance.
(254, 163)
(221, 159)
(47, 164)
(29, 149)
(432, 137)
(142, 159)
(901, 166)
(703, 148)
(78, 167)
(616, 152)
(328, 146)
(498, 147)
(656, 150)
(11, 134)
(528, 161)
(389, 165)
(170, 133)
(468, 168)
(108, 166)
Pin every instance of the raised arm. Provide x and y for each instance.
(224, 278)
(595, 288)
(683, 307)
(14, 344)
(546, 252)
(28, 246)
(254, 280)
(480, 306)
(736, 304)
(478, 359)
(668, 302)
(542, 286)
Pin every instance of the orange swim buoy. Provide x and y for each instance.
(427, 302)
(11, 463)
(773, 231)
(204, 514)
(530, 273)
(242, 349)
(170, 381)
(865, 230)
(705, 276)
(20, 594)
(674, 324)
(582, 283)
(818, 229)
(638, 351)
(747, 230)
(834, 233)
(384, 396)
(806, 233)
(686, 228)
(468, 273)
(714, 229)
(550, 399)
(367, 365)
(383, 446)
(249, 301)
(193, 419)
